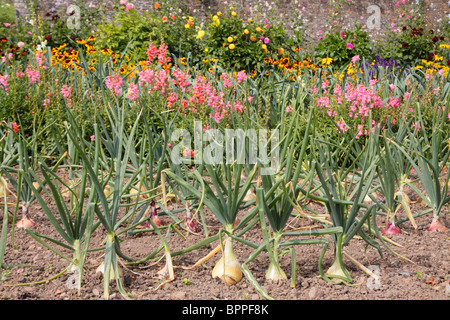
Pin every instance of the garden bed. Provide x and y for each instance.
(424, 277)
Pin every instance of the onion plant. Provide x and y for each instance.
(118, 144)
(276, 199)
(224, 202)
(393, 174)
(343, 195)
(74, 221)
(429, 155)
(8, 156)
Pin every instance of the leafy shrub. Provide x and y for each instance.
(7, 13)
(53, 25)
(342, 45)
(409, 40)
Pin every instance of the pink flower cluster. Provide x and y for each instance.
(353, 104)
(4, 82)
(157, 52)
(114, 83)
(33, 75)
(133, 92)
(155, 80)
(67, 92)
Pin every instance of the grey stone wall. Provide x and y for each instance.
(316, 14)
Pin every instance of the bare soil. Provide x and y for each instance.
(420, 269)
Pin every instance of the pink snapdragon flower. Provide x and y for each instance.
(226, 80)
(133, 92)
(241, 76)
(66, 91)
(114, 83)
(33, 75)
(355, 59)
(4, 82)
(342, 126)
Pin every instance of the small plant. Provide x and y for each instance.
(419, 275)
(5, 275)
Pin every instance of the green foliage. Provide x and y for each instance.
(410, 40)
(7, 12)
(125, 27)
(342, 45)
(52, 27)
(243, 44)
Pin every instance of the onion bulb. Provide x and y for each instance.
(107, 190)
(228, 268)
(337, 270)
(437, 225)
(189, 222)
(154, 216)
(275, 273)
(101, 269)
(134, 191)
(67, 192)
(25, 222)
(391, 229)
(36, 185)
(249, 196)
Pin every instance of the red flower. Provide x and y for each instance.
(15, 126)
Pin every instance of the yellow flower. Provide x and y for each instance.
(219, 13)
(200, 34)
(215, 18)
(233, 14)
(246, 31)
(206, 49)
(445, 46)
(327, 61)
(438, 58)
(264, 47)
(231, 46)
(186, 26)
(230, 39)
(250, 19)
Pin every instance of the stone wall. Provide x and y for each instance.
(316, 12)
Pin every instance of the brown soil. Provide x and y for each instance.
(423, 275)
